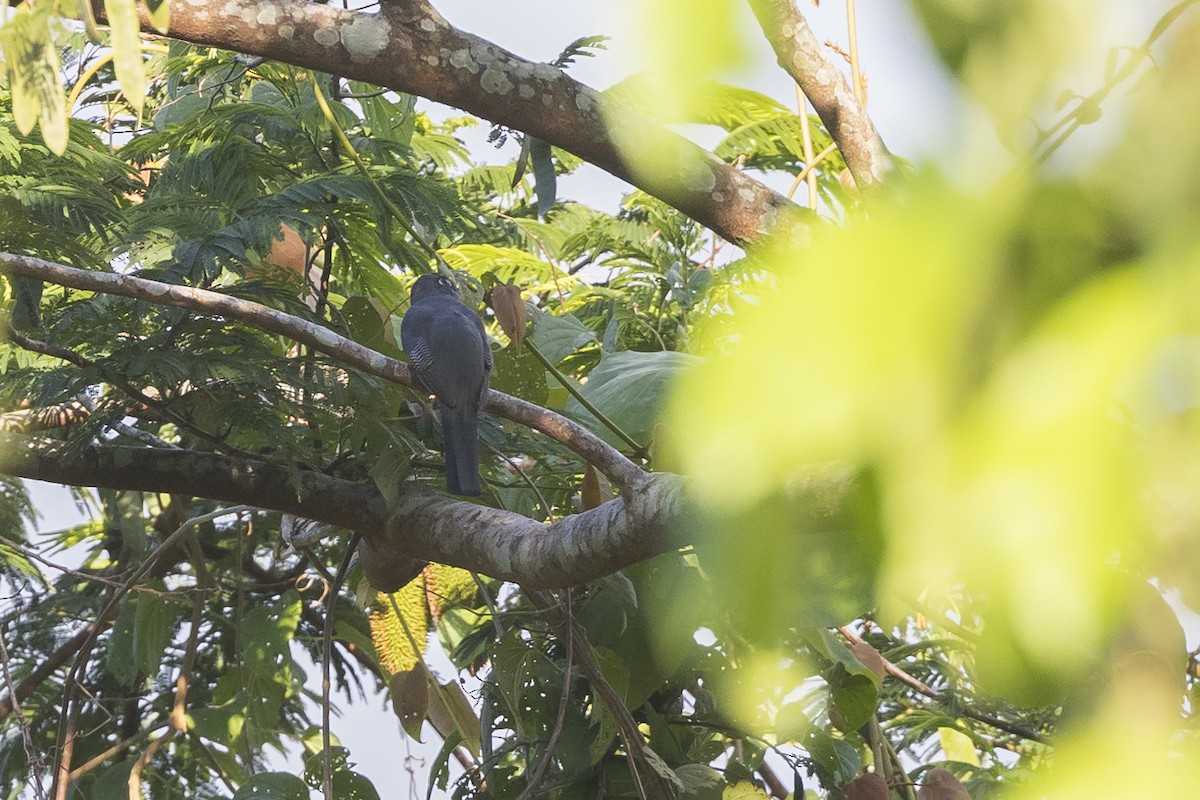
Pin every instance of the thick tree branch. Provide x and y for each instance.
(423, 525)
(620, 470)
(411, 48)
(803, 57)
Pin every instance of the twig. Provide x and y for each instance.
(855, 69)
(33, 756)
(57, 351)
(808, 172)
(638, 448)
(548, 754)
(980, 716)
(807, 144)
(67, 717)
(387, 202)
(627, 727)
(134, 783)
(1071, 120)
(326, 658)
(116, 749)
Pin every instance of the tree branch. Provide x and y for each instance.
(620, 470)
(411, 48)
(422, 525)
(802, 56)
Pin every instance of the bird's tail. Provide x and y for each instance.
(460, 442)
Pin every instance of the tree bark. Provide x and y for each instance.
(423, 525)
(804, 58)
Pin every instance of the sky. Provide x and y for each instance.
(919, 111)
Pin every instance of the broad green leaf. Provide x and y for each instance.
(127, 50)
(557, 336)
(957, 746)
(836, 757)
(351, 785)
(630, 388)
(272, 786)
(700, 782)
(120, 660)
(854, 697)
(113, 782)
(155, 622)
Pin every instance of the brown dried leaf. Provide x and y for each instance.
(869, 657)
(593, 491)
(510, 311)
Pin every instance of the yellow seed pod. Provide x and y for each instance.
(392, 643)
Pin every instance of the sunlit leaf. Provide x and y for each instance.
(127, 49)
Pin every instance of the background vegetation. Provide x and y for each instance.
(938, 428)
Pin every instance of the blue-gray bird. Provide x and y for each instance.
(449, 354)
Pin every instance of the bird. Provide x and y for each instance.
(448, 351)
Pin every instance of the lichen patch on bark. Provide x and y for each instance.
(366, 37)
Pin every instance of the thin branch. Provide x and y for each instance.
(116, 749)
(620, 470)
(326, 660)
(922, 688)
(33, 756)
(855, 66)
(70, 709)
(569, 644)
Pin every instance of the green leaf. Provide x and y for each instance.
(837, 758)
(113, 782)
(351, 785)
(543, 174)
(854, 697)
(33, 70)
(370, 324)
(629, 387)
(439, 771)
(700, 781)
(744, 790)
(272, 786)
(159, 13)
(834, 649)
(120, 660)
(127, 50)
(957, 746)
(557, 336)
(154, 627)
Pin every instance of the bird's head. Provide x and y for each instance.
(433, 284)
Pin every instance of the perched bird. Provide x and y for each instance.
(449, 353)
